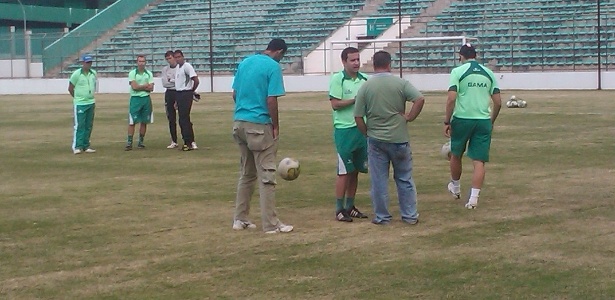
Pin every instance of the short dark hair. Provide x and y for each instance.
(141, 55)
(169, 53)
(468, 51)
(382, 59)
(349, 50)
(277, 44)
(179, 52)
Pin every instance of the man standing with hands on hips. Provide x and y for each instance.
(186, 83)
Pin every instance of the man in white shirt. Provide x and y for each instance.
(186, 83)
(167, 76)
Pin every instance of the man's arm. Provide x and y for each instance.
(361, 125)
(497, 104)
(141, 87)
(272, 106)
(234, 96)
(417, 107)
(339, 104)
(450, 106)
(166, 83)
(71, 89)
(196, 81)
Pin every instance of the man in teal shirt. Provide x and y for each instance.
(350, 143)
(256, 87)
(82, 86)
(469, 119)
(141, 83)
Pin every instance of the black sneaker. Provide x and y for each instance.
(355, 213)
(342, 216)
(186, 148)
(141, 146)
(128, 148)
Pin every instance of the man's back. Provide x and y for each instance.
(258, 77)
(382, 99)
(474, 84)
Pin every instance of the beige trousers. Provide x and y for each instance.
(258, 162)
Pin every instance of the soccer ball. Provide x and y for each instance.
(522, 103)
(289, 169)
(513, 102)
(445, 151)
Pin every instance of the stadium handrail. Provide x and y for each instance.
(71, 43)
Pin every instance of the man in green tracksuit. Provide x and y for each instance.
(82, 86)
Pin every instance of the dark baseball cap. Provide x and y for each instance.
(468, 51)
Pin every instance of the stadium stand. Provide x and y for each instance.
(518, 35)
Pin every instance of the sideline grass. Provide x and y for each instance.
(156, 223)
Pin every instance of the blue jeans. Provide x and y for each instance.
(380, 156)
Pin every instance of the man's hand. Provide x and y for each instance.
(276, 133)
(447, 130)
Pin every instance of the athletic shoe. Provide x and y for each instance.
(89, 150)
(355, 213)
(173, 145)
(141, 146)
(380, 222)
(411, 222)
(342, 216)
(186, 148)
(77, 151)
(240, 225)
(472, 203)
(194, 146)
(455, 191)
(281, 228)
(128, 148)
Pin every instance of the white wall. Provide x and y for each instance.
(17, 68)
(308, 83)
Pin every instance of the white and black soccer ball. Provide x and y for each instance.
(522, 103)
(513, 102)
(289, 169)
(445, 151)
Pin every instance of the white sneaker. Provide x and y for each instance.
(472, 203)
(454, 190)
(240, 225)
(173, 145)
(89, 150)
(194, 146)
(77, 151)
(281, 228)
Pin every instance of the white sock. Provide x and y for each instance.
(474, 193)
(455, 183)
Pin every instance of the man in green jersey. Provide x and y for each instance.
(82, 86)
(469, 119)
(140, 109)
(350, 143)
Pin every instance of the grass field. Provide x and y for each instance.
(156, 223)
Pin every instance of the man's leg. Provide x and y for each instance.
(169, 105)
(79, 128)
(142, 131)
(406, 189)
(89, 124)
(184, 106)
(379, 176)
(247, 179)
(478, 151)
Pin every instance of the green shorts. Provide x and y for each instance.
(475, 133)
(351, 146)
(140, 110)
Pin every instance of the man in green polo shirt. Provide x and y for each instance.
(350, 143)
(82, 86)
(469, 119)
(140, 108)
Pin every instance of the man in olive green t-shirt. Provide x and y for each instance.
(82, 86)
(382, 100)
(469, 119)
(141, 83)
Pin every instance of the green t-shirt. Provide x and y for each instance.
(85, 86)
(474, 84)
(141, 79)
(381, 99)
(344, 87)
